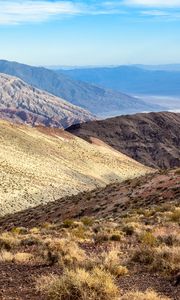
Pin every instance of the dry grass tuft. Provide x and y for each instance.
(160, 259)
(175, 215)
(6, 256)
(23, 257)
(148, 295)
(111, 262)
(79, 285)
(68, 252)
(8, 241)
(20, 257)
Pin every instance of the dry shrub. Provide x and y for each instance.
(148, 295)
(116, 237)
(19, 230)
(166, 259)
(102, 237)
(169, 235)
(34, 230)
(175, 215)
(161, 259)
(23, 257)
(68, 252)
(109, 261)
(143, 255)
(148, 239)
(107, 235)
(8, 241)
(68, 223)
(79, 285)
(129, 229)
(6, 256)
(80, 233)
(31, 240)
(20, 257)
(87, 221)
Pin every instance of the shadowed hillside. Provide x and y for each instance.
(152, 139)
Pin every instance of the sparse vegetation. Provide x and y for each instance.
(66, 251)
(149, 295)
(79, 285)
(175, 215)
(98, 258)
(19, 257)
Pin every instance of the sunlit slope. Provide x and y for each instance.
(38, 165)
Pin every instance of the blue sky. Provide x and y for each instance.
(90, 32)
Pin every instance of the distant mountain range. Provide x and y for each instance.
(23, 103)
(152, 139)
(97, 100)
(131, 79)
(167, 67)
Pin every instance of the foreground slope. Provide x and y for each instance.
(152, 139)
(26, 104)
(111, 202)
(123, 245)
(38, 165)
(91, 97)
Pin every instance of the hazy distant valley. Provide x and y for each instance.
(155, 85)
(170, 103)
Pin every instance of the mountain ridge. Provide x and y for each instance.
(88, 96)
(131, 79)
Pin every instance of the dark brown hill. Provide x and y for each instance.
(113, 201)
(150, 138)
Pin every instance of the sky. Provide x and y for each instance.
(83, 33)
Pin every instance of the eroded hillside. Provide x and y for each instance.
(23, 103)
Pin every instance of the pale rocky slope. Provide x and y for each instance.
(38, 165)
(23, 103)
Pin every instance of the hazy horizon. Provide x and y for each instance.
(56, 66)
